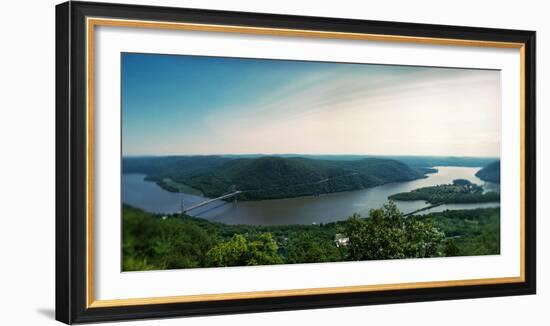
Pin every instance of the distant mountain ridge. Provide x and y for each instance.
(271, 177)
(172, 165)
(410, 160)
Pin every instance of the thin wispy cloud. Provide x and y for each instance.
(260, 106)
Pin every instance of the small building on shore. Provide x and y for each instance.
(340, 240)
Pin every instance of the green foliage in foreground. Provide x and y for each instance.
(241, 252)
(469, 232)
(387, 235)
(152, 242)
(460, 191)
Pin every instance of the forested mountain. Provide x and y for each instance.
(270, 177)
(490, 172)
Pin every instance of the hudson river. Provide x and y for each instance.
(303, 210)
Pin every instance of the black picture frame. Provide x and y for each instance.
(71, 158)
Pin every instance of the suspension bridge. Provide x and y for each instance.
(234, 192)
(206, 202)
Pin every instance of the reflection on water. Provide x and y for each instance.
(303, 210)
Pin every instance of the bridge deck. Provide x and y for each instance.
(206, 202)
(423, 209)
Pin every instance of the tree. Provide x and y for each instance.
(305, 248)
(154, 243)
(386, 234)
(451, 249)
(239, 251)
(421, 239)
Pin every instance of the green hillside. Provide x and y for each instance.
(272, 177)
(269, 177)
(490, 172)
(460, 191)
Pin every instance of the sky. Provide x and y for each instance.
(191, 105)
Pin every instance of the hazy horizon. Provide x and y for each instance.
(193, 105)
(308, 154)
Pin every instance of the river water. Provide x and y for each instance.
(149, 196)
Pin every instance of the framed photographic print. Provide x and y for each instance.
(213, 162)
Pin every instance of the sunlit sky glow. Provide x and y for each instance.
(205, 105)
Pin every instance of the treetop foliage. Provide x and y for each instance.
(151, 242)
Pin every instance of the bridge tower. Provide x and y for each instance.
(232, 189)
(182, 207)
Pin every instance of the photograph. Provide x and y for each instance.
(215, 160)
(231, 161)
